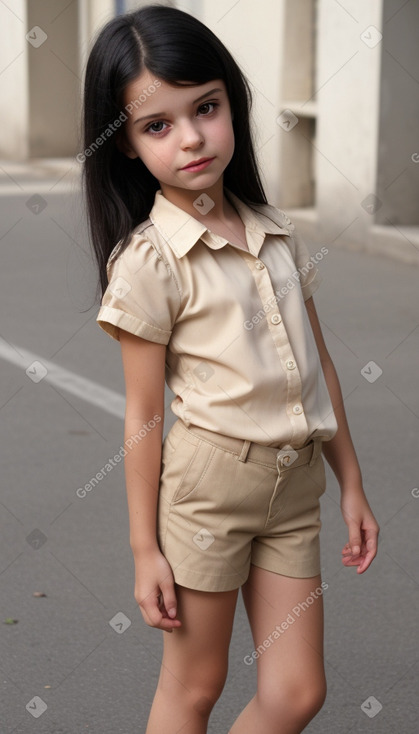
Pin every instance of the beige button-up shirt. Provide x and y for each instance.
(241, 356)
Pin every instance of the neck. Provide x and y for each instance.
(195, 203)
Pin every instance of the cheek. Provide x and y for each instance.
(227, 144)
(225, 134)
(152, 158)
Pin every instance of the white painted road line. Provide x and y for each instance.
(37, 368)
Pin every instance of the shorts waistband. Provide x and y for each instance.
(281, 459)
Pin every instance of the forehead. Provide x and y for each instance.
(146, 92)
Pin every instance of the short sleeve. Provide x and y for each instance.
(142, 296)
(309, 275)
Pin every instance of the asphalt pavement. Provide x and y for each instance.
(75, 654)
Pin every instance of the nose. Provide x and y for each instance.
(191, 136)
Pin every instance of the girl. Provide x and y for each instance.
(207, 285)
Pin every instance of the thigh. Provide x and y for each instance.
(286, 619)
(195, 655)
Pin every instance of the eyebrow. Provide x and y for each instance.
(163, 114)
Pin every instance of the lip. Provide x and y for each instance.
(198, 164)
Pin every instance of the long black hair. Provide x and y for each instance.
(179, 49)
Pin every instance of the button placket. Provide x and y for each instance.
(282, 345)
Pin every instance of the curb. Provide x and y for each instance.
(40, 174)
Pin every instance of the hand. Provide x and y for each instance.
(155, 591)
(363, 531)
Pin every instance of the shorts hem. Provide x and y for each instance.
(206, 582)
(294, 570)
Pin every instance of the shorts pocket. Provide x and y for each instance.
(191, 466)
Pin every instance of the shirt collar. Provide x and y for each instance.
(181, 231)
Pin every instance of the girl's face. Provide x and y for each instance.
(171, 127)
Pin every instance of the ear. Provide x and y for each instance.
(124, 147)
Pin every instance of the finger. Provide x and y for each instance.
(153, 616)
(169, 603)
(348, 559)
(159, 621)
(355, 540)
(370, 552)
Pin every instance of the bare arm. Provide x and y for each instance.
(143, 363)
(340, 455)
(144, 372)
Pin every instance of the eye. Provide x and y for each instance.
(152, 127)
(156, 128)
(206, 105)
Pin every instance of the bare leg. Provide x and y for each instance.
(291, 682)
(195, 662)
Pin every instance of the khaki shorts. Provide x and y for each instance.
(225, 503)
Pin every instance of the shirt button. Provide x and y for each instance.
(259, 265)
(290, 364)
(276, 319)
(297, 409)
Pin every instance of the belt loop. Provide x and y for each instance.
(244, 451)
(317, 449)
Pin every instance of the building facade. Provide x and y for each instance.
(336, 102)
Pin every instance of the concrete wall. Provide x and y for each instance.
(14, 82)
(54, 78)
(348, 74)
(93, 14)
(397, 173)
(296, 128)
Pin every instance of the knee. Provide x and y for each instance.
(312, 698)
(202, 702)
(308, 696)
(198, 691)
(202, 696)
(295, 699)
